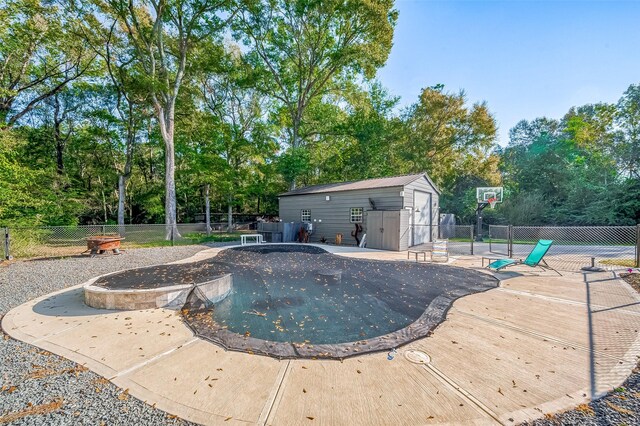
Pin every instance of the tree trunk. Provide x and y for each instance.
(57, 137)
(207, 209)
(59, 155)
(104, 201)
(294, 146)
(230, 213)
(122, 183)
(166, 121)
(170, 204)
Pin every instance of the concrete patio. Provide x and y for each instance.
(538, 344)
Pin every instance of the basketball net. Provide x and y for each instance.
(492, 202)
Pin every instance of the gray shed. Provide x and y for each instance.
(395, 212)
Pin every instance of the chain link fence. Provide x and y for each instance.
(609, 247)
(499, 239)
(460, 237)
(54, 241)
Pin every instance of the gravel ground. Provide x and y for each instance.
(620, 407)
(40, 388)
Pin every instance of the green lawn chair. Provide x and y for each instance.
(534, 259)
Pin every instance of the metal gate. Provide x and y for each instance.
(499, 239)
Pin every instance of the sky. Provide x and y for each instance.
(526, 59)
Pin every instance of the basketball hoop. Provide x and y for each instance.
(492, 202)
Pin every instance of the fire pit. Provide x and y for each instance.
(99, 244)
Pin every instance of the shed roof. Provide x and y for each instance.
(385, 182)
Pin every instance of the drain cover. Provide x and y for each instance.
(417, 357)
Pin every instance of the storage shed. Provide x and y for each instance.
(395, 212)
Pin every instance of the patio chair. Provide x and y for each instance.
(535, 258)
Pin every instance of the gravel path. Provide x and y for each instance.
(40, 388)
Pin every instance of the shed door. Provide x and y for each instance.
(421, 218)
(391, 234)
(375, 229)
(383, 230)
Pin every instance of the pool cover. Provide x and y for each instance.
(299, 301)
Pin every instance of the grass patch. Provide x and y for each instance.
(38, 248)
(188, 239)
(630, 263)
(559, 243)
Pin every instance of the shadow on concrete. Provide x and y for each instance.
(612, 313)
(69, 303)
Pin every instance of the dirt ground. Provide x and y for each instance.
(633, 279)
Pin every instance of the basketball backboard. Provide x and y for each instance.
(489, 193)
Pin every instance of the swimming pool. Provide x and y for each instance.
(292, 301)
(300, 301)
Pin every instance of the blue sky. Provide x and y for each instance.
(526, 59)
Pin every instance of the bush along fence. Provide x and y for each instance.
(609, 247)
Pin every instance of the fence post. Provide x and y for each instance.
(638, 246)
(510, 241)
(173, 235)
(471, 237)
(7, 245)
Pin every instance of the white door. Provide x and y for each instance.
(421, 217)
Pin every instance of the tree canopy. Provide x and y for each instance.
(144, 111)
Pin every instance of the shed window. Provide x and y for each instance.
(356, 214)
(305, 215)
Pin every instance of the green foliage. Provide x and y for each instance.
(27, 196)
(40, 54)
(575, 171)
(306, 49)
(98, 93)
(293, 162)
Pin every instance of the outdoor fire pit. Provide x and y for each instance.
(99, 244)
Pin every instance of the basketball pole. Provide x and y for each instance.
(481, 207)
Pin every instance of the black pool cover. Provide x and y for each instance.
(299, 301)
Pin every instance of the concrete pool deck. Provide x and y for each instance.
(538, 344)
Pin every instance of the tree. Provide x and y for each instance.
(447, 139)
(304, 46)
(628, 135)
(131, 100)
(165, 36)
(357, 140)
(244, 139)
(40, 54)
